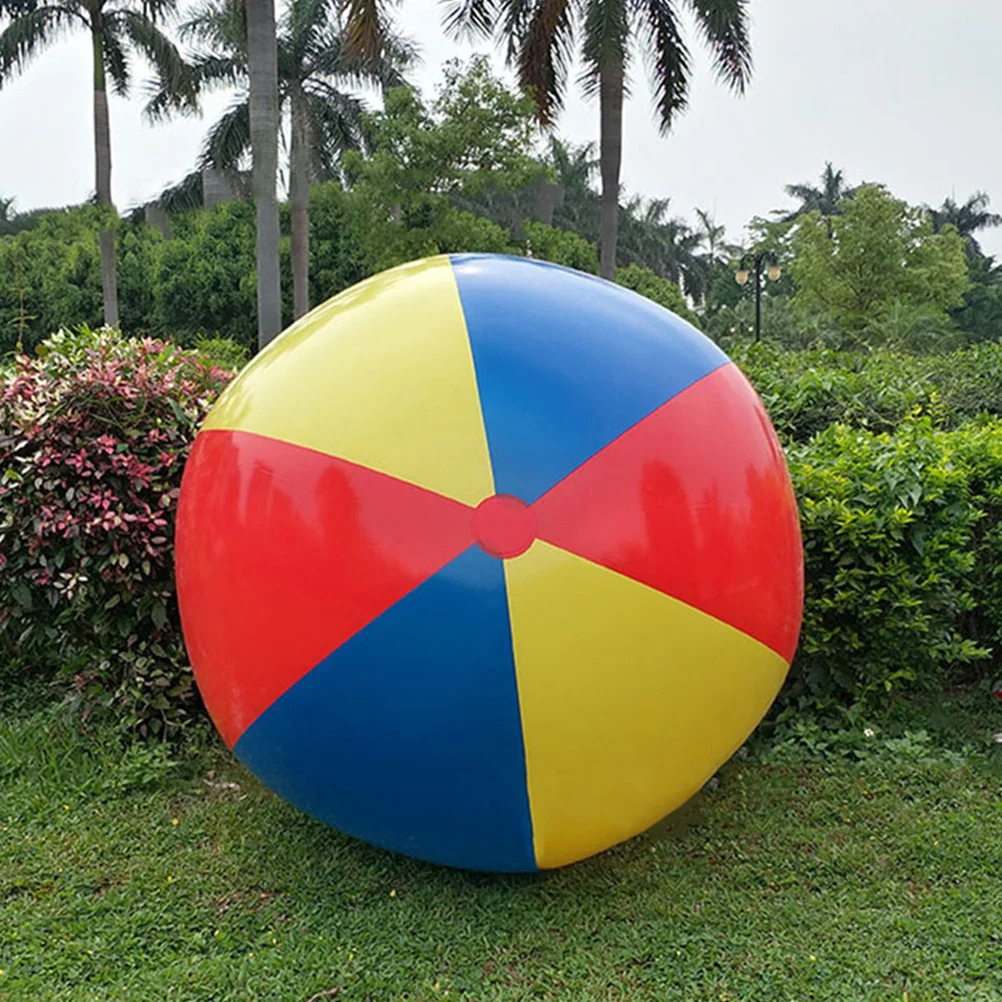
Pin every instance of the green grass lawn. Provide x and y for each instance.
(121, 878)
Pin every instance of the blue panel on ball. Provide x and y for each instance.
(409, 734)
(566, 363)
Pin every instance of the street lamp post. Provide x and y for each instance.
(772, 270)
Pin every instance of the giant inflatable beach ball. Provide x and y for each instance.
(488, 562)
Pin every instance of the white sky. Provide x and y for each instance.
(907, 92)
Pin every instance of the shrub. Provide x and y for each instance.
(806, 391)
(889, 524)
(969, 381)
(96, 431)
(561, 247)
(977, 449)
(223, 353)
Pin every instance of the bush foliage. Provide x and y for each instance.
(899, 482)
(894, 527)
(806, 391)
(96, 430)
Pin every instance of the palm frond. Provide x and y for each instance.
(212, 71)
(186, 194)
(805, 192)
(155, 11)
(401, 54)
(669, 63)
(606, 33)
(469, 19)
(229, 139)
(574, 165)
(724, 27)
(116, 62)
(512, 22)
(29, 33)
(545, 55)
(301, 24)
(336, 125)
(174, 85)
(219, 25)
(330, 59)
(368, 27)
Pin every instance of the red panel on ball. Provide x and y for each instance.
(693, 500)
(284, 553)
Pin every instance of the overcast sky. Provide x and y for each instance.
(907, 92)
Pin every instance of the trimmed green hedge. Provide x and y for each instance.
(806, 391)
(902, 549)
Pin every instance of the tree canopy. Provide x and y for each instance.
(877, 253)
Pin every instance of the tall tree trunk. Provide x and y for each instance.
(299, 201)
(610, 158)
(102, 172)
(262, 57)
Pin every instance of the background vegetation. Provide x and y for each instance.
(468, 171)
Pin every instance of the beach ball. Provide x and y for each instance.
(488, 562)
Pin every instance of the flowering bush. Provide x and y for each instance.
(94, 433)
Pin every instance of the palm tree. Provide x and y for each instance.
(574, 167)
(262, 116)
(666, 245)
(967, 218)
(827, 199)
(119, 29)
(539, 36)
(711, 235)
(324, 121)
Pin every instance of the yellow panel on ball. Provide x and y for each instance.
(381, 375)
(629, 699)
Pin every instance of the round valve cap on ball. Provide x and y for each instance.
(488, 562)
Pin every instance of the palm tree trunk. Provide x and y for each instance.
(262, 57)
(102, 171)
(299, 201)
(610, 158)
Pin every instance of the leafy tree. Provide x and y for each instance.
(18, 221)
(539, 38)
(880, 251)
(203, 277)
(477, 134)
(980, 317)
(50, 275)
(119, 30)
(968, 218)
(337, 258)
(313, 72)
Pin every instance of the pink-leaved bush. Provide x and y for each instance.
(94, 433)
